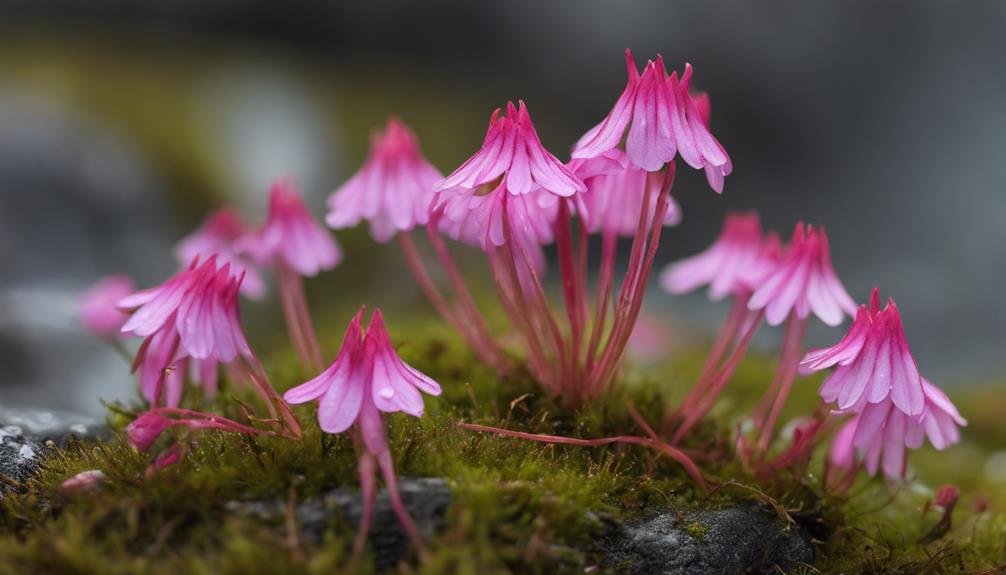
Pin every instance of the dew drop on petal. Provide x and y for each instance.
(386, 392)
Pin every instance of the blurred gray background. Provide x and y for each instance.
(121, 124)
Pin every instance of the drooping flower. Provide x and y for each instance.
(199, 306)
(872, 362)
(392, 190)
(615, 193)
(726, 266)
(367, 377)
(290, 237)
(804, 282)
(884, 433)
(217, 235)
(97, 306)
(662, 120)
(512, 151)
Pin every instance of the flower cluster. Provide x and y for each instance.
(523, 207)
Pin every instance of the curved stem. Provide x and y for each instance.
(669, 450)
(391, 481)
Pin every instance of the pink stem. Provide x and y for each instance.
(805, 444)
(728, 333)
(609, 243)
(570, 288)
(670, 451)
(433, 295)
(792, 342)
(630, 304)
(367, 472)
(718, 383)
(278, 408)
(466, 303)
(388, 472)
(513, 304)
(298, 319)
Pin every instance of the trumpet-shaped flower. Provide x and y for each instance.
(290, 237)
(804, 282)
(366, 378)
(512, 151)
(872, 362)
(737, 255)
(392, 190)
(659, 120)
(97, 306)
(217, 235)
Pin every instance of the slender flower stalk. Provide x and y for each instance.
(194, 315)
(393, 191)
(738, 260)
(296, 247)
(804, 282)
(367, 379)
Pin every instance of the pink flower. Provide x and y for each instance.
(662, 120)
(83, 482)
(804, 281)
(479, 220)
(97, 306)
(873, 362)
(290, 237)
(217, 235)
(199, 305)
(614, 197)
(392, 190)
(145, 429)
(366, 378)
(842, 454)
(884, 433)
(738, 255)
(513, 152)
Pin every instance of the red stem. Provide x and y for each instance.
(391, 481)
(719, 382)
(298, 319)
(670, 451)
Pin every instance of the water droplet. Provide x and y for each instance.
(386, 392)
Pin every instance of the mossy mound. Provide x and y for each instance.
(517, 506)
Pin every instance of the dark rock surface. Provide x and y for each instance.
(52, 424)
(25, 433)
(748, 538)
(427, 500)
(18, 457)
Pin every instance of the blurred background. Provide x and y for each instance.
(122, 124)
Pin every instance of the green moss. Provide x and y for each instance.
(518, 506)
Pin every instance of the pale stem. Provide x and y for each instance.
(298, 318)
(792, 342)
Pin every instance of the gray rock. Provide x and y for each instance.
(427, 500)
(18, 458)
(747, 538)
(57, 425)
